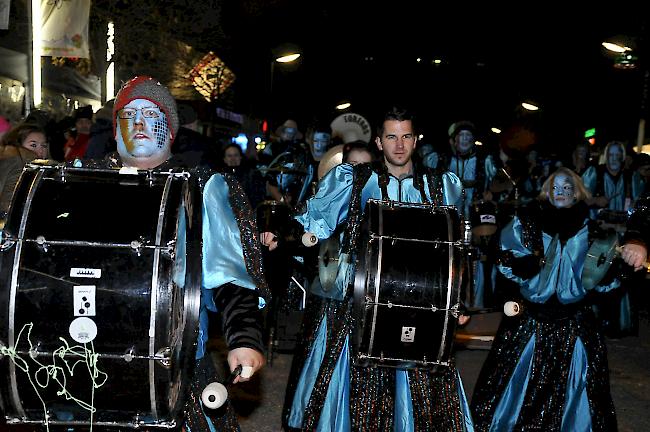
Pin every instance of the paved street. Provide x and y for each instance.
(259, 402)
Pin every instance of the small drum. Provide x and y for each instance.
(483, 216)
(101, 277)
(407, 286)
(273, 216)
(600, 256)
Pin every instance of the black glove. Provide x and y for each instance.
(526, 266)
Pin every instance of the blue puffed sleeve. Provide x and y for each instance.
(563, 277)
(589, 179)
(452, 189)
(637, 186)
(329, 207)
(490, 170)
(223, 257)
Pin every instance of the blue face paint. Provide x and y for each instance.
(142, 130)
(563, 193)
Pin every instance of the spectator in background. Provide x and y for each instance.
(190, 146)
(5, 126)
(75, 148)
(249, 177)
(101, 133)
(18, 147)
(357, 152)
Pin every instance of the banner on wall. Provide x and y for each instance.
(65, 28)
(4, 14)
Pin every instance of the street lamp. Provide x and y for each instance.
(284, 54)
(628, 58)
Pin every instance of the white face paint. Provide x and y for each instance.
(464, 141)
(563, 194)
(614, 158)
(321, 141)
(289, 134)
(142, 132)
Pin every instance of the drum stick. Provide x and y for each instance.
(215, 394)
(478, 311)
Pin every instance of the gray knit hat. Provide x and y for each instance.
(145, 87)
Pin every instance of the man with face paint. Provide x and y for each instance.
(326, 392)
(615, 189)
(145, 124)
(476, 170)
(612, 186)
(547, 370)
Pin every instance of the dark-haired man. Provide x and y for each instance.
(325, 391)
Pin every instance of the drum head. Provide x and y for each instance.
(104, 277)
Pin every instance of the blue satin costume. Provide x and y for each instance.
(547, 373)
(223, 258)
(465, 169)
(618, 193)
(325, 211)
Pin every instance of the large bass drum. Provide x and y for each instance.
(407, 286)
(101, 276)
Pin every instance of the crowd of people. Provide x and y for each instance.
(547, 369)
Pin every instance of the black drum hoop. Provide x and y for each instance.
(180, 358)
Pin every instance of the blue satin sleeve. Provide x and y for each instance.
(589, 179)
(223, 257)
(452, 189)
(329, 207)
(637, 187)
(563, 277)
(490, 170)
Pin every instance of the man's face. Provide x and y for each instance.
(563, 194)
(232, 157)
(142, 131)
(288, 134)
(463, 141)
(83, 125)
(614, 158)
(397, 144)
(321, 141)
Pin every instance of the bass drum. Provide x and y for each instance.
(407, 286)
(99, 313)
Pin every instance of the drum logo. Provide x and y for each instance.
(84, 300)
(408, 334)
(488, 218)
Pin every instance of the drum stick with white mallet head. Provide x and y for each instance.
(215, 394)
(513, 308)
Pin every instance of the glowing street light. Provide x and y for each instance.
(614, 47)
(288, 58)
(344, 105)
(529, 106)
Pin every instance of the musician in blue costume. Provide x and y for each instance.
(616, 189)
(326, 392)
(476, 171)
(145, 124)
(547, 369)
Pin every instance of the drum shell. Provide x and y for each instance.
(408, 282)
(483, 217)
(146, 299)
